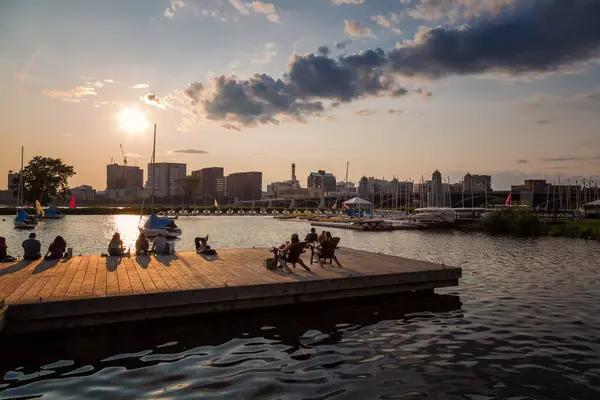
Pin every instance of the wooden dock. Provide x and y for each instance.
(92, 290)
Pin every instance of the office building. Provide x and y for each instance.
(321, 180)
(210, 180)
(244, 186)
(124, 177)
(166, 182)
(477, 183)
(437, 189)
(13, 179)
(84, 193)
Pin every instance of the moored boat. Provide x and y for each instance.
(157, 226)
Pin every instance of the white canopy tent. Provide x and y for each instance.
(356, 203)
(592, 209)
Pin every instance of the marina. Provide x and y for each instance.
(92, 290)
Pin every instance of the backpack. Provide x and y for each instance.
(269, 263)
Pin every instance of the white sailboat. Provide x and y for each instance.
(22, 219)
(218, 212)
(155, 225)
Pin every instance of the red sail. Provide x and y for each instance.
(72, 203)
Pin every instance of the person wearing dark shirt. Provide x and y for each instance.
(142, 245)
(115, 246)
(3, 248)
(312, 236)
(32, 248)
(57, 249)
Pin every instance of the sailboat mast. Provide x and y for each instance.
(153, 170)
(20, 191)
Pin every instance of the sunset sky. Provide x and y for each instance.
(396, 87)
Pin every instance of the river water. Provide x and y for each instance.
(523, 324)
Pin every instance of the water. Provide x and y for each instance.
(524, 323)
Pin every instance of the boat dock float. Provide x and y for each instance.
(93, 290)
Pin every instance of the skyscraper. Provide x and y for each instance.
(124, 177)
(168, 176)
(209, 180)
(244, 185)
(437, 189)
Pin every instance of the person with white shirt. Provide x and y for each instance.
(160, 245)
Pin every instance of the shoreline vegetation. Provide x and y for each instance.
(525, 223)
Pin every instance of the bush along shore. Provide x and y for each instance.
(525, 223)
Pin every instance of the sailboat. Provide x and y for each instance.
(218, 212)
(155, 225)
(23, 220)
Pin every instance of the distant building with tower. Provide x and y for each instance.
(321, 180)
(124, 177)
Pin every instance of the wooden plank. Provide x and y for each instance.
(53, 282)
(160, 269)
(112, 280)
(87, 288)
(26, 285)
(13, 275)
(171, 269)
(100, 279)
(62, 286)
(134, 279)
(147, 282)
(160, 283)
(123, 278)
(75, 286)
(203, 267)
(50, 269)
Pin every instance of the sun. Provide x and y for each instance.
(132, 120)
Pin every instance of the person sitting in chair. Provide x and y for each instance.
(142, 245)
(57, 249)
(115, 246)
(312, 236)
(32, 248)
(160, 246)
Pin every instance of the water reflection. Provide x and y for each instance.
(126, 225)
(314, 337)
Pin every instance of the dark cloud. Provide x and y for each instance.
(364, 113)
(570, 158)
(523, 161)
(394, 111)
(153, 100)
(540, 37)
(189, 151)
(323, 50)
(342, 45)
(544, 121)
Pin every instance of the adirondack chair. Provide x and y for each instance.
(326, 251)
(292, 256)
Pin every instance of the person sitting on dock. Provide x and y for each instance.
(4, 257)
(32, 248)
(312, 236)
(202, 246)
(142, 245)
(160, 246)
(57, 249)
(115, 246)
(322, 237)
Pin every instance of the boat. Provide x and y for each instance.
(263, 212)
(434, 215)
(274, 212)
(252, 212)
(229, 212)
(285, 212)
(22, 219)
(207, 211)
(241, 212)
(155, 225)
(53, 213)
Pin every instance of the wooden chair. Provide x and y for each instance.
(327, 251)
(292, 256)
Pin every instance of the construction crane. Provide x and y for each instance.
(124, 158)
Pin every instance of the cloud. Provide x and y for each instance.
(323, 50)
(340, 2)
(109, 81)
(342, 45)
(258, 7)
(189, 151)
(454, 10)
(140, 86)
(569, 159)
(356, 30)
(522, 161)
(268, 54)
(173, 7)
(548, 108)
(387, 23)
(153, 100)
(516, 43)
(132, 155)
(230, 127)
(394, 111)
(73, 95)
(544, 121)
(364, 113)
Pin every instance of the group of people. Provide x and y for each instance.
(142, 246)
(32, 249)
(312, 237)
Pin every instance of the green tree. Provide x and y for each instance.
(44, 179)
(190, 186)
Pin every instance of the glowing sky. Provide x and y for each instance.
(395, 87)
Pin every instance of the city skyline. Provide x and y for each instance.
(76, 90)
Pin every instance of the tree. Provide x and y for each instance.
(190, 185)
(44, 179)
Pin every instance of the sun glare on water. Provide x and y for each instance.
(132, 120)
